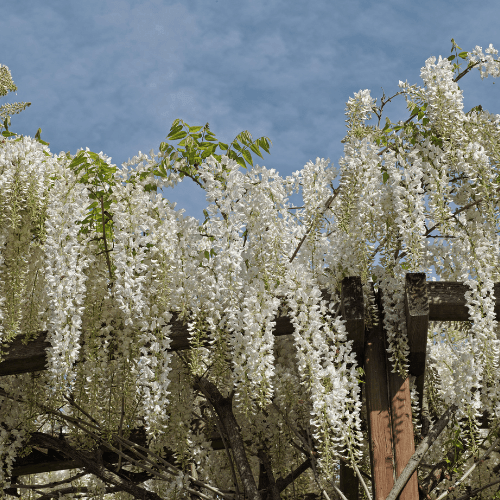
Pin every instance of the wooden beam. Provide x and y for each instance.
(38, 460)
(378, 409)
(31, 357)
(447, 301)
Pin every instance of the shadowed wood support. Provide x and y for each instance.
(353, 311)
(388, 400)
(402, 431)
(349, 482)
(46, 460)
(378, 409)
(417, 307)
(447, 301)
(417, 324)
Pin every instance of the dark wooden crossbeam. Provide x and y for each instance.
(389, 411)
(446, 302)
(46, 460)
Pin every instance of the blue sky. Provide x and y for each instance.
(113, 75)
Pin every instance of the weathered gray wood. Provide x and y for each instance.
(378, 410)
(447, 301)
(31, 357)
(417, 320)
(353, 311)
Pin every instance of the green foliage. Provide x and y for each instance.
(8, 85)
(90, 169)
(193, 152)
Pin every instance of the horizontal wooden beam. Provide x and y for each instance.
(446, 302)
(31, 357)
(38, 460)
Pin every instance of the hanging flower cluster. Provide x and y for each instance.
(99, 259)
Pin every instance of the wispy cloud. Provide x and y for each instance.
(112, 76)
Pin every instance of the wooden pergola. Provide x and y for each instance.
(388, 402)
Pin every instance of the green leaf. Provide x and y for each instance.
(264, 144)
(240, 161)
(425, 121)
(207, 254)
(210, 136)
(248, 157)
(223, 146)
(236, 146)
(463, 55)
(387, 124)
(8, 134)
(256, 150)
(385, 177)
(450, 58)
(177, 135)
(194, 129)
(195, 137)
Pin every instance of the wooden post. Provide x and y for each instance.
(353, 311)
(402, 431)
(417, 323)
(377, 405)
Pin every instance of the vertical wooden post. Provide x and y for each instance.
(379, 417)
(417, 323)
(402, 431)
(353, 311)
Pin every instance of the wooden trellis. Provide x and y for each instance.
(388, 401)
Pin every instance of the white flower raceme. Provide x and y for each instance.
(430, 201)
(65, 260)
(489, 65)
(24, 178)
(322, 350)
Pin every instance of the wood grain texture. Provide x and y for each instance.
(378, 409)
